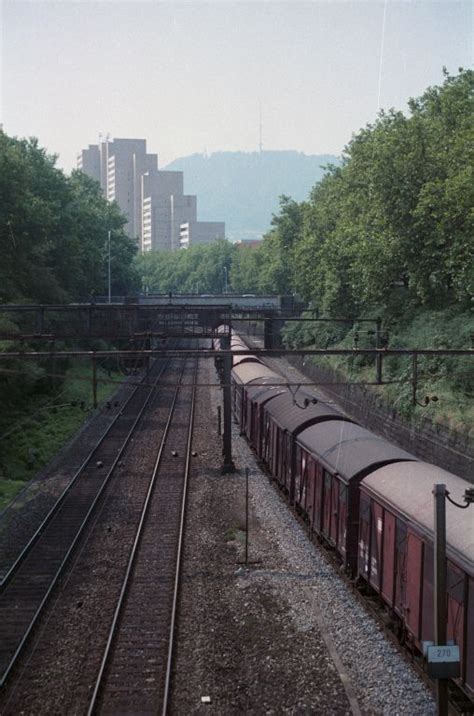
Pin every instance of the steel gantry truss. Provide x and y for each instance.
(147, 353)
(112, 322)
(143, 327)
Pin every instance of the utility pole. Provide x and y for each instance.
(443, 657)
(228, 465)
(109, 270)
(378, 358)
(439, 493)
(94, 380)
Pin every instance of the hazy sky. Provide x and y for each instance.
(190, 76)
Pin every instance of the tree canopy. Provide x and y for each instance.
(53, 230)
(392, 226)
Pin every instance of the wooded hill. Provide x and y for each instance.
(389, 233)
(242, 188)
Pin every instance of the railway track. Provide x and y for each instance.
(105, 637)
(27, 585)
(135, 669)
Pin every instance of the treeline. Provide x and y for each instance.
(53, 248)
(395, 223)
(54, 229)
(389, 233)
(392, 226)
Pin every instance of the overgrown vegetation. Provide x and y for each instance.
(449, 380)
(33, 436)
(389, 233)
(53, 248)
(53, 230)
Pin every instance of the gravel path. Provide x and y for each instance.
(283, 635)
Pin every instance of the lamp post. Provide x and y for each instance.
(225, 279)
(109, 271)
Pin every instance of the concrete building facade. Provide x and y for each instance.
(164, 208)
(153, 201)
(194, 233)
(118, 165)
(88, 161)
(126, 161)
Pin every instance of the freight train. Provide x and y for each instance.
(366, 499)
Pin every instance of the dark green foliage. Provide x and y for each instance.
(53, 230)
(393, 226)
(53, 248)
(41, 421)
(199, 269)
(451, 380)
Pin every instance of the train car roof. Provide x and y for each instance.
(408, 487)
(289, 412)
(245, 372)
(236, 360)
(349, 449)
(261, 393)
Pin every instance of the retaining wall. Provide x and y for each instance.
(429, 441)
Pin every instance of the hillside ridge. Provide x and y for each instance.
(242, 188)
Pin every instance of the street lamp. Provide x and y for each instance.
(225, 279)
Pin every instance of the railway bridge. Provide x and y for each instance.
(164, 316)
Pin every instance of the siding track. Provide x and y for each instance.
(25, 588)
(102, 640)
(134, 674)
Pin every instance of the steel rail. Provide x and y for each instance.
(82, 526)
(133, 553)
(264, 352)
(33, 539)
(169, 663)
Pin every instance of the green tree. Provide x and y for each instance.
(53, 230)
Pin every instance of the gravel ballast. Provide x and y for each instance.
(283, 634)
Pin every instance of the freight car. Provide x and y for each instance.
(236, 344)
(365, 498)
(396, 553)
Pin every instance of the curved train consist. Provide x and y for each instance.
(367, 499)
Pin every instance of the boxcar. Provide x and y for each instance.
(284, 420)
(396, 552)
(331, 459)
(243, 375)
(258, 397)
(217, 345)
(237, 344)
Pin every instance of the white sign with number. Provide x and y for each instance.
(443, 654)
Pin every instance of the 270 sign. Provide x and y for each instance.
(443, 661)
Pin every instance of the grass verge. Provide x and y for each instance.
(33, 437)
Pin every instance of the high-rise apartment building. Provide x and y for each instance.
(164, 209)
(88, 161)
(153, 201)
(194, 233)
(127, 159)
(118, 165)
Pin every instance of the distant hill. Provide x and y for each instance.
(242, 188)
